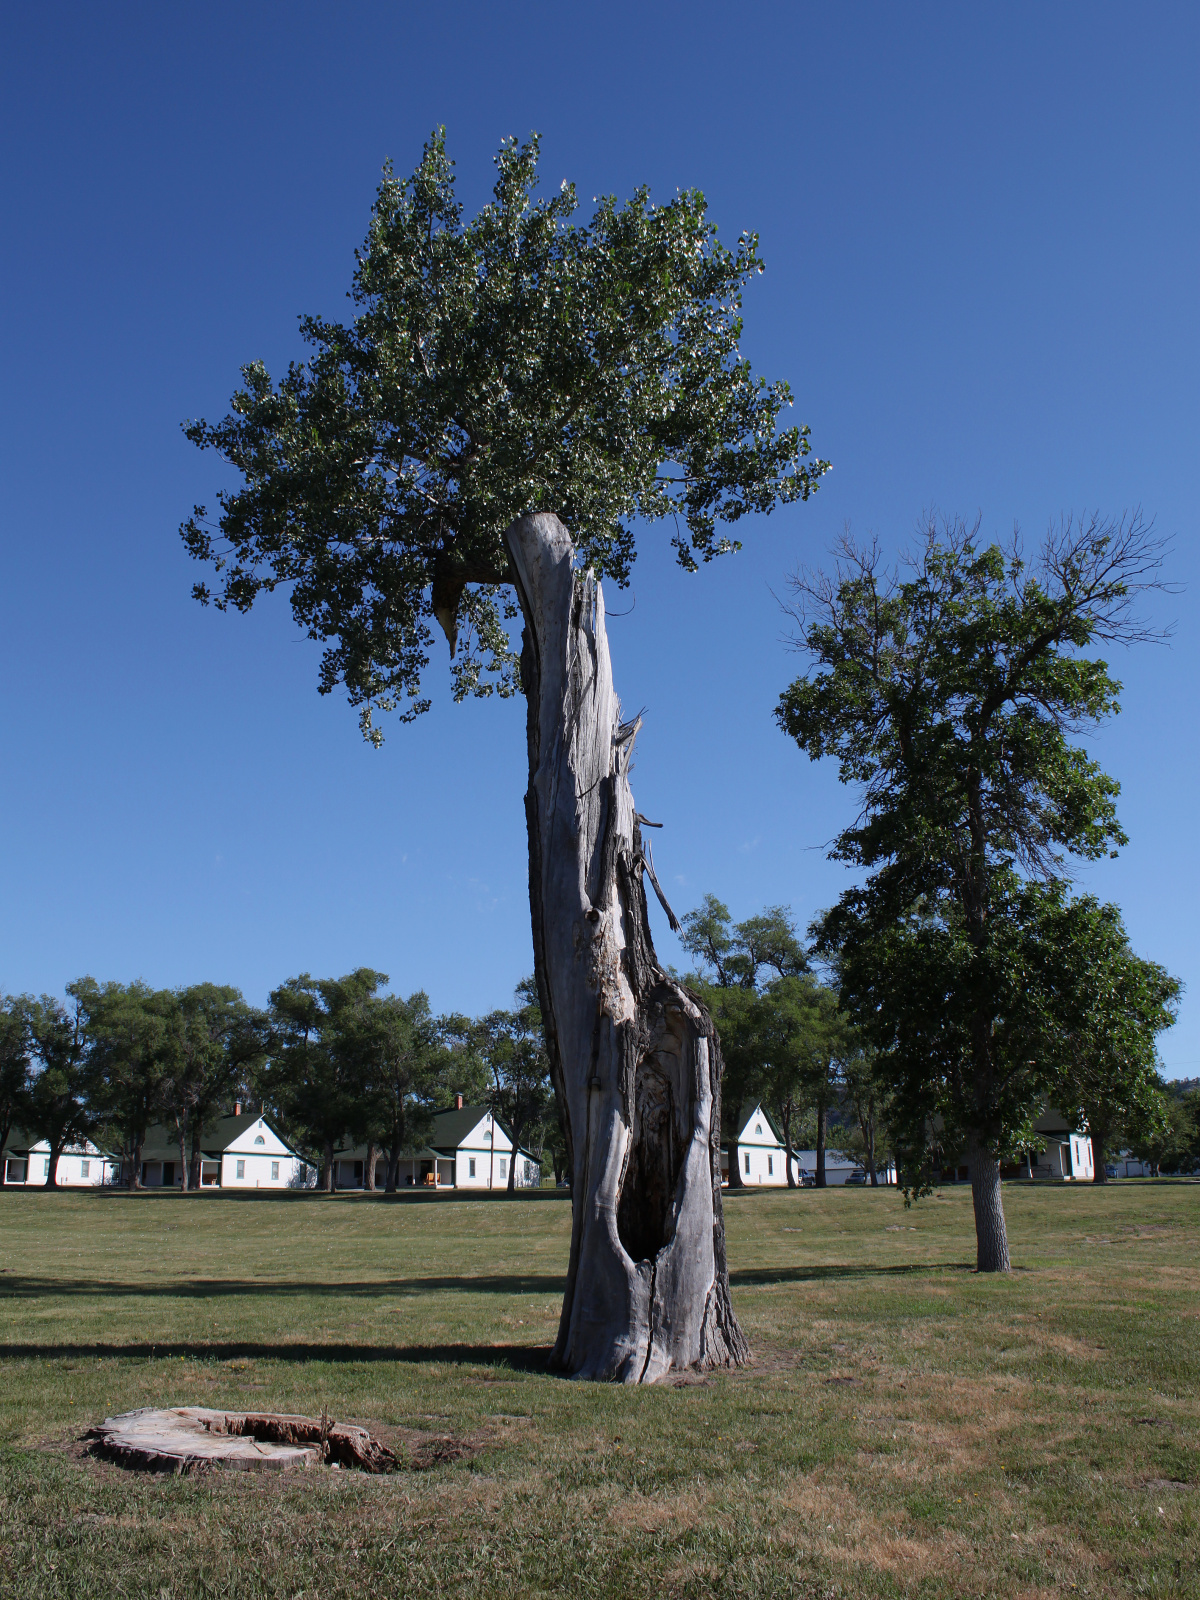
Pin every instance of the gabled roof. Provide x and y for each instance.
(215, 1138)
(745, 1112)
(452, 1126)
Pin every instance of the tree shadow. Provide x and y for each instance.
(18, 1287)
(749, 1277)
(515, 1357)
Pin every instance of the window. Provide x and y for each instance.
(471, 1166)
(275, 1169)
(85, 1169)
(487, 1138)
(241, 1169)
(758, 1127)
(770, 1165)
(747, 1161)
(258, 1139)
(46, 1167)
(503, 1167)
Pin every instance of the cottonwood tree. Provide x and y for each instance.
(949, 694)
(398, 1064)
(15, 1066)
(61, 1098)
(513, 1043)
(1109, 1007)
(314, 1068)
(220, 1050)
(133, 1033)
(502, 374)
(735, 961)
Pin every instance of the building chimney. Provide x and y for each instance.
(458, 1102)
(237, 1108)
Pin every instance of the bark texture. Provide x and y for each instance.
(635, 1058)
(991, 1234)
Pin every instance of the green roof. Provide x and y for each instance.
(215, 1138)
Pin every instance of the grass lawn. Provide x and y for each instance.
(907, 1428)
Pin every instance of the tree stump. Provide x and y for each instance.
(634, 1056)
(186, 1439)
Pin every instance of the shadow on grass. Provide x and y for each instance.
(516, 1357)
(15, 1287)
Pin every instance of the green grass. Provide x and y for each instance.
(908, 1428)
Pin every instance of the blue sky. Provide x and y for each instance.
(981, 233)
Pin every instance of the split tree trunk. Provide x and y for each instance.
(991, 1234)
(822, 1123)
(635, 1058)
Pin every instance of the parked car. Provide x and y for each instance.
(1110, 1171)
(857, 1178)
(805, 1178)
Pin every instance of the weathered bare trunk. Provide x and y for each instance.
(991, 1235)
(635, 1058)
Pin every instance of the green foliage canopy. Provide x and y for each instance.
(517, 362)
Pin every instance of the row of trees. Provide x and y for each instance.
(1089, 1020)
(335, 1059)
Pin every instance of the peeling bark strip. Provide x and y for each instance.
(635, 1058)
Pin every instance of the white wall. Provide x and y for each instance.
(261, 1170)
(70, 1173)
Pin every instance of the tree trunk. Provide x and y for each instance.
(822, 1119)
(183, 1164)
(991, 1235)
(369, 1167)
(327, 1169)
(197, 1169)
(56, 1150)
(135, 1161)
(393, 1170)
(736, 1181)
(634, 1057)
(787, 1145)
(1099, 1137)
(511, 1186)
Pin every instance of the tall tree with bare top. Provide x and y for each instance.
(949, 693)
(475, 445)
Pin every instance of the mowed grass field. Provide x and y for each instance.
(908, 1428)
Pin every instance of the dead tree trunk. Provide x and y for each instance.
(635, 1058)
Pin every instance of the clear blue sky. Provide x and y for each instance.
(981, 232)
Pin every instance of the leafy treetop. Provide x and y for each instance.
(517, 362)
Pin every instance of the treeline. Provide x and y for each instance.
(332, 1060)
(833, 1064)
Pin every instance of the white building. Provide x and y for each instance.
(467, 1150)
(238, 1152)
(81, 1166)
(762, 1160)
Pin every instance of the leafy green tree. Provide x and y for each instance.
(220, 1051)
(518, 361)
(869, 1100)
(513, 1044)
(61, 1098)
(134, 1034)
(801, 1036)
(398, 1062)
(314, 1074)
(1109, 1005)
(515, 364)
(736, 957)
(1167, 1136)
(15, 1066)
(948, 696)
